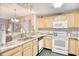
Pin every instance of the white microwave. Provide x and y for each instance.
(60, 24)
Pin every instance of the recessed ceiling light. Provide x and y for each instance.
(57, 5)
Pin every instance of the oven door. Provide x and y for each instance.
(60, 40)
(60, 43)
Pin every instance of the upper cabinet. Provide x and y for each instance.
(49, 21)
(72, 19)
(45, 22)
(41, 23)
(76, 20)
(60, 17)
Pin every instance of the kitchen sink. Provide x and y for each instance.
(27, 38)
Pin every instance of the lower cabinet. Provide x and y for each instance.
(48, 42)
(35, 47)
(13, 52)
(78, 48)
(73, 46)
(27, 49)
(30, 48)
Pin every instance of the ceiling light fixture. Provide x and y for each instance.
(57, 5)
(15, 19)
(28, 7)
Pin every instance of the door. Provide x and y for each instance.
(73, 46)
(48, 42)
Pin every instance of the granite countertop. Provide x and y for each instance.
(18, 43)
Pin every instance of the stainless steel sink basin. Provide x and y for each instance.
(27, 38)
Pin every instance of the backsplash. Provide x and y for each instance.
(74, 32)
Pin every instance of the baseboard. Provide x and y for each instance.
(71, 54)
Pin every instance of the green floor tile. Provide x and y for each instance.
(46, 52)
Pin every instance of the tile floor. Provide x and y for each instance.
(46, 52)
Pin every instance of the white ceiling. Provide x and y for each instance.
(47, 8)
(7, 10)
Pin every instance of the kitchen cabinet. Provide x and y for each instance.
(27, 49)
(48, 42)
(41, 23)
(13, 52)
(49, 21)
(73, 46)
(78, 48)
(61, 17)
(30, 48)
(35, 47)
(76, 19)
(73, 19)
(45, 22)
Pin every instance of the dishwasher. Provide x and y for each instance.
(40, 44)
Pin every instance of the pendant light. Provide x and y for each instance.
(14, 19)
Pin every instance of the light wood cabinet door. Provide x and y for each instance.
(70, 18)
(27, 49)
(13, 52)
(48, 42)
(35, 47)
(49, 21)
(41, 23)
(73, 19)
(72, 46)
(76, 20)
(78, 48)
